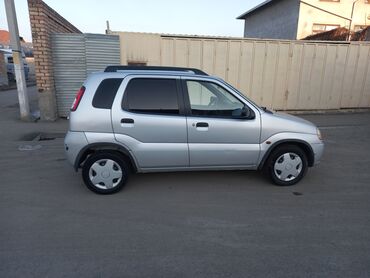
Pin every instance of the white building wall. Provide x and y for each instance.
(309, 15)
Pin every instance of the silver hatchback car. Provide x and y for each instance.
(150, 119)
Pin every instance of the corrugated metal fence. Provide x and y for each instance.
(284, 75)
(74, 57)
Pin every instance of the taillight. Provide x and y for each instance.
(78, 98)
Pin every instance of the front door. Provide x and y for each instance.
(215, 136)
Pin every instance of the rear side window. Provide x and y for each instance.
(106, 92)
(150, 95)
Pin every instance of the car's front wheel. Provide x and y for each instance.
(287, 165)
(105, 173)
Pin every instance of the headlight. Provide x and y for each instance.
(319, 134)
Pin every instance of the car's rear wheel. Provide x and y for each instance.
(287, 165)
(105, 172)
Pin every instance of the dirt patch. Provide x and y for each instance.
(41, 136)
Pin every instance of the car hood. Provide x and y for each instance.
(276, 122)
(289, 117)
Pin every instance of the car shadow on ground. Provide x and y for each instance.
(199, 180)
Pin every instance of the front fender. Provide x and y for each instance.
(308, 141)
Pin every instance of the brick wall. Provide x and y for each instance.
(3, 75)
(44, 22)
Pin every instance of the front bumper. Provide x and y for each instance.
(318, 150)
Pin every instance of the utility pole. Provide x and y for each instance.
(17, 60)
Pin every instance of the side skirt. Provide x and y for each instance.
(199, 168)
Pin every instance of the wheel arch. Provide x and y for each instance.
(110, 147)
(297, 142)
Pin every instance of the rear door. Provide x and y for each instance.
(148, 118)
(215, 136)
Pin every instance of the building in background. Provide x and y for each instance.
(27, 47)
(341, 34)
(295, 19)
(7, 56)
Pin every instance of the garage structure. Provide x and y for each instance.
(74, 57)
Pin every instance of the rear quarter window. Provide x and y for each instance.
(106, 92)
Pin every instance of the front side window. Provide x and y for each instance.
(210, 99)
(150, 95)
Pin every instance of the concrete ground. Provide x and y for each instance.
(203, 224)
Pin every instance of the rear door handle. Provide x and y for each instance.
(127, 121)
(202, 124)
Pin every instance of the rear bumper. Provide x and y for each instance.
(318, 150)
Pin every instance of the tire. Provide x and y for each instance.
(105, 172)
(286, 165)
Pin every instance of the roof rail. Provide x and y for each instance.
(149, 68)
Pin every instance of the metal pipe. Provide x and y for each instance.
(350, 22)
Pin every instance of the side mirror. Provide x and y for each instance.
(243, 113)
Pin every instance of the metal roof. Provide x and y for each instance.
(256, 8)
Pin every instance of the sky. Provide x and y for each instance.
(195, 17)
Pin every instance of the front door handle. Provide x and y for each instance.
(127, 121)
(202, 124)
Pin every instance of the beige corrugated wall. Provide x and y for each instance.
(283, 75)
